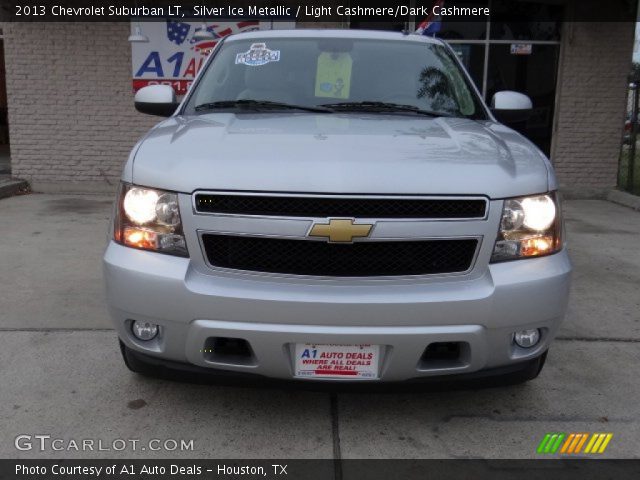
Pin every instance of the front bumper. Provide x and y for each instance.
(272, 314)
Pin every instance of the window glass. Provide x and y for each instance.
(319, 71)
(460, 27)
(525, 20)
(472, 57)
(533, 74)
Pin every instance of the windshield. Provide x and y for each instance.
(337, 74)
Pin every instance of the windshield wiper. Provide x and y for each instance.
(258, 105)
(370, 106)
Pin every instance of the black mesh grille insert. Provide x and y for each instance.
(340, 206)
(360, 259)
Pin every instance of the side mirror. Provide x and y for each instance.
(511, 107)
(156, 100)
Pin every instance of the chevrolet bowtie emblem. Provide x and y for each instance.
(340, 230)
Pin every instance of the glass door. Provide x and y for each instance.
(530, 69)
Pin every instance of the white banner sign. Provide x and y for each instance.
(172, 56)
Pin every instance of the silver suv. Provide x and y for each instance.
(336, 206)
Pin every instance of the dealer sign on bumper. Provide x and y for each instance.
(337, 361)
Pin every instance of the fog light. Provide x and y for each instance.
(527, 338)
(144, 330)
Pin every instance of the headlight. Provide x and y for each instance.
(530, 227)
(140, 205)
(149, 219)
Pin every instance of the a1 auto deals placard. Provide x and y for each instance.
(172, 56)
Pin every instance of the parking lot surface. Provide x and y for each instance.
(62, 375)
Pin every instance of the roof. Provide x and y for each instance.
(333, 33)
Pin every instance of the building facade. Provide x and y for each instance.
(72, 121)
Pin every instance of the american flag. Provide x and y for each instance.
(220, 31)
(177, 31)
(431, 25)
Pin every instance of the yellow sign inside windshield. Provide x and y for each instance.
(333, 75)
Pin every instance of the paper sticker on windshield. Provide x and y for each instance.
(333, 75)
(257, 55)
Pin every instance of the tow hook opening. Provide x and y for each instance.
(227, 350)
(445, 355)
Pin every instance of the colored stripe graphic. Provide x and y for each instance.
(550, 442)
(594, 437)
(598, 442)
(557, 443)
(565, 447)
(606, 441)
(572, 443)
(543, 443)
(581, 443)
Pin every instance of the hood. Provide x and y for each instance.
(339, 153)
